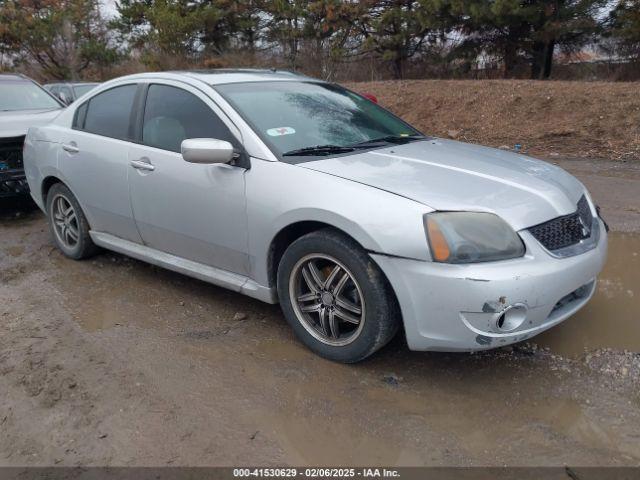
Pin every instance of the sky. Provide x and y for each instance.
(109, 8)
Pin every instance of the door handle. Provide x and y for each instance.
(142, 165)
(70, 147)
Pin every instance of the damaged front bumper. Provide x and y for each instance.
(12, 183)
(487, 305)
(12, 177)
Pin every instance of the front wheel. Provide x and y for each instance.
(335, 297)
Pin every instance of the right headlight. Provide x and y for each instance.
(470, 237)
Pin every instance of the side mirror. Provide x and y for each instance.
(63, 97)
(206, 150)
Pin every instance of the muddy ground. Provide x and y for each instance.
(112, 361)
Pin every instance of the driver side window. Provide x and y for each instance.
(172, 115)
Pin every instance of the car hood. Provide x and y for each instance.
(448, 175)
(16, 122)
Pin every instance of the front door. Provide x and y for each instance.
(189, 210)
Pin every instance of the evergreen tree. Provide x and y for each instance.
(528, 31)
(185, 28)
(397, 30)
(624, 21)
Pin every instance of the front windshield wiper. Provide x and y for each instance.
(393, 139)
(333, 149)
(319, 150)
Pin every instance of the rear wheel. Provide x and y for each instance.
(68, 225)
(335, 297)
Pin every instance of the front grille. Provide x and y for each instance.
(565, 231)
(11, 153)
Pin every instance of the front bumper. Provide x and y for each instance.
(459, 307)
(12, 183)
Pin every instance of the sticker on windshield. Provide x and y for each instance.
(277, 132)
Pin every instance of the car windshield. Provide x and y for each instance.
(84, 88)
(314, 119)
(24, 95)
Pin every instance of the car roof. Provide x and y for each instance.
(226, 75)
(14, 77)
(240, 75)
(71, 83)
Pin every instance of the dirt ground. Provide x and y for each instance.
(568, 119)
(111, 361)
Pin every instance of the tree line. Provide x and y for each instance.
(68, 39)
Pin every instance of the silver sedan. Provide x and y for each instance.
(296, 191)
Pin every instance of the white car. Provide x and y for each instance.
(297, 191)
(23, 104)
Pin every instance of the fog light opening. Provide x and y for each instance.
(511, 317)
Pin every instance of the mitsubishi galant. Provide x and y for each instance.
(301, 192)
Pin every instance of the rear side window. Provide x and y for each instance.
(172, 115)
(108, 113)
(80, 115)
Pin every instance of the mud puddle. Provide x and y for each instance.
(612, 318)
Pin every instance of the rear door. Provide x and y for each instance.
(190, 210)
(94, 156)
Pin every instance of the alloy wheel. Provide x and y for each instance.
(327, 299)
(65, 221)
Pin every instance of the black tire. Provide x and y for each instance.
(380, 312)
(83, 246)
